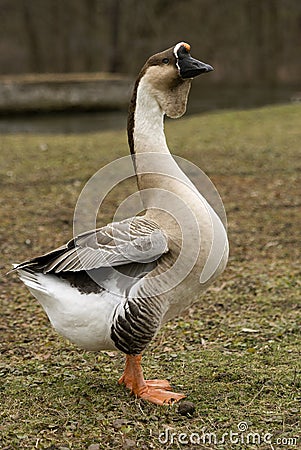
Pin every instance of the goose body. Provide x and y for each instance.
(113, 288)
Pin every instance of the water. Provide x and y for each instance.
(63, 123)
(204, 97)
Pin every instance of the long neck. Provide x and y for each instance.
(146, 129)
(146, 122)
(156, 169)
(167, 194)
(149, 123)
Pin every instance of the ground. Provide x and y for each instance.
(236, 354)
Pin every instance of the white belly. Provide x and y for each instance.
(84, 319)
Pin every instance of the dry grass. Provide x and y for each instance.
(236, 354)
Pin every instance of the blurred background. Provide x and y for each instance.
(81, 56)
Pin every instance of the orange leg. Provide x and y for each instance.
(155, 391)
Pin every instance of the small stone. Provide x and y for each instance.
(186, 408)
(119, 423)
(293, 411)
(128, 443)
(93, 447)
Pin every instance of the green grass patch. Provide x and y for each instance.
(236, 354)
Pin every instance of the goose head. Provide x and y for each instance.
(167, 76)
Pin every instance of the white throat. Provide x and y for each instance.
(156, 169)
(149, 134)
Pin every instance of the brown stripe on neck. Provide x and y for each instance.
(131, 112)
(131, 118)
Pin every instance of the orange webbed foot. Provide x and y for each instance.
(154, 391)
(159, 384)
(160, 396)
(154, 384)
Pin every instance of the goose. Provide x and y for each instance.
(112, 288)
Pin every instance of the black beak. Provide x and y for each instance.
(190, 67)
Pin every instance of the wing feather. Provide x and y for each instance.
(136, 240)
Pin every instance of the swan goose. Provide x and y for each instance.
(74, 283)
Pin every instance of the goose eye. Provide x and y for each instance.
(165, 60)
